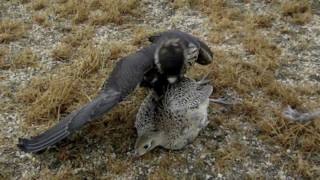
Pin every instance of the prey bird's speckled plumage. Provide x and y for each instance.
(174, 120)
(136, 69)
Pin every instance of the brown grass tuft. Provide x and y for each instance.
(41, 19)
(3, 54)
(25, 58)
(260, 45)
(302, 166)
(260, 21)
(11, 30)
(186, 3)
(119, 49)
(98, 12)
(297, 11)
(140, 35)
(50, 95)
(79, 37)
(82, 15)
(216, 37)
(62, 52)
(226, 156)
(39, 4)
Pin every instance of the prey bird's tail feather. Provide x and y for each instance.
(74, 121)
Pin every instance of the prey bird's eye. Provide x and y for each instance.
(146, 146)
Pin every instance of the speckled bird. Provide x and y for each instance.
(174, 120)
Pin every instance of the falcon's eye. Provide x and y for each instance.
(146, 146)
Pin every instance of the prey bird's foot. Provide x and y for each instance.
(205, 80)
(225, 101)
(293, 115)
(221, 101)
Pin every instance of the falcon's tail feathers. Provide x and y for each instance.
(74, 121)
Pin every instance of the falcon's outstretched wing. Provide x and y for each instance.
(126, 76)
(205, 54)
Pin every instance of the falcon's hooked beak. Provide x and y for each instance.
(172, 79)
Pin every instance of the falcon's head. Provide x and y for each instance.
(170, 59)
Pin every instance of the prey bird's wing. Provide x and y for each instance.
(187, 94)
(126, 76)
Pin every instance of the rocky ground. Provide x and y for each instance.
(234, 145)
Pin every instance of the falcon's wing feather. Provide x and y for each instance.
(125, 77)
(155, 37)
(74, 121)
(205, 54)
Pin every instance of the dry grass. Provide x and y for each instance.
(62, 52)
(41, 19)
(39, 4)
(64, 173)
(141, 34)
(297, 11)
(79, 37)
(265, 51)
(3, 54)
(186, 3)
(226, 156)
(25, 58)
(11, 30)
(98, 12)
(51, 95)
(260, 21)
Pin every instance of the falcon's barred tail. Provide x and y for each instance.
(74, 121)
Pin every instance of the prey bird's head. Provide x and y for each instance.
(170, 59)
(147, 141)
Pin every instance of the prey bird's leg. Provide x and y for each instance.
(294, 115)
(205, 79)
(221, 101)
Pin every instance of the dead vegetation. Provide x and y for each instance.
(226, 156)
(3, 54)
(25, 58)
(11, 30)
(62, 52)
(39, 4)
(79, 37)
(97, 12)
(297, 11)
(41, 19)
(54, 94)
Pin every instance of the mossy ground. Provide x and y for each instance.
(55, 55)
